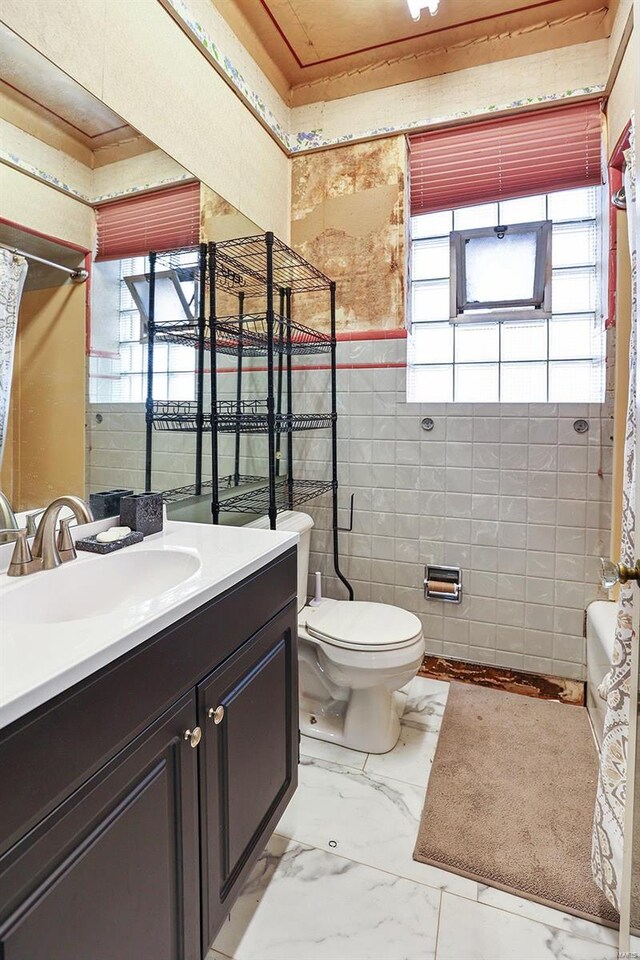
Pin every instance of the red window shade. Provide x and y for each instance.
(553, 149)
(161, 220)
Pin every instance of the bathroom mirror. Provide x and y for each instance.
(73, 350)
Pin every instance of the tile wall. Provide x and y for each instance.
(510, 493)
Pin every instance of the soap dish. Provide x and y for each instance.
(91, 545)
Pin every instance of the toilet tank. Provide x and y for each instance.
(302, 524)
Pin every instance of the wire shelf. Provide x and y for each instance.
(184, 260)
(241, 267)
(225, 483)
(249, 334)
(250, 416)
(256, 500)
(284, 423)
(178, 415)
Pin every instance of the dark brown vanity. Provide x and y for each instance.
(134, 804)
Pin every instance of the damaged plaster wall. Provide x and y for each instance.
(348, 218)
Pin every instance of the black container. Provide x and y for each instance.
(142, 512)
(107, 503)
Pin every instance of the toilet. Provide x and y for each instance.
(353, 657)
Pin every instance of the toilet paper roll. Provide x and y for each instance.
(441, 586)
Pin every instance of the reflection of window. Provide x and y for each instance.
(170, 298)
(559, 359)
(501, 272)
(119, 374)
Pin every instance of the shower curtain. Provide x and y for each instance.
(13, 270)
(606, 852)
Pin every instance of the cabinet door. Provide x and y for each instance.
(112, 873)
(248, 710)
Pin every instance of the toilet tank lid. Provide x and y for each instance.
(291, 520)
(359, 623)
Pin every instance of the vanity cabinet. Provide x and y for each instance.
(113, 871)
(248, 711)
(143, 856)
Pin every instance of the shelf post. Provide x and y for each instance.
(236, 461)
(271, 419)
(215, 492)
(151, 327)
(279, 387)
(202, 295)
(289, 402)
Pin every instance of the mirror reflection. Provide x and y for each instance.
(74, 301)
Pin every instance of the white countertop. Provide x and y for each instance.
(40, 659)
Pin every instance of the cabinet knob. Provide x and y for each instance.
(216, 714)
(193, 736)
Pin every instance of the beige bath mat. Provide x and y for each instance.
(510, 799)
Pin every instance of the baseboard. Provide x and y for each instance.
(504, 678)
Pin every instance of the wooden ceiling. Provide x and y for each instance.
(323, 49)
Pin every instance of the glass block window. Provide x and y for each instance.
(121, 375)
(555, 360)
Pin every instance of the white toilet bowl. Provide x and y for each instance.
(353, 656)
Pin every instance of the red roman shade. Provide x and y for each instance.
(554, 149)
(161, 220)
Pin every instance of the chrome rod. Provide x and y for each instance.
(76, 274)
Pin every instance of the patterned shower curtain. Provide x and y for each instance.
(13, 270)
(606, 856)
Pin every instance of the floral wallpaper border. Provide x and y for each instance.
(306, 140)
(301, 142)
(314, 139)
(12, 160)
(232, 73)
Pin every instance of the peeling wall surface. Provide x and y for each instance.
(348, 217)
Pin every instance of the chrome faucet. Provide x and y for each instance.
(8, 521)
(47, 551)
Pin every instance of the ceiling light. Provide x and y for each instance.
(417, 6)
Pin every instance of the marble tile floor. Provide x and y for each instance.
(338, 882)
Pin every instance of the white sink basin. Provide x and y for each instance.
(87, 588)
(57, 627)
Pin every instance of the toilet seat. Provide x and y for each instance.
(361, 625)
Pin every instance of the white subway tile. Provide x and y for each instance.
(513, 509)
(485, 481)
(540, 537)
(482, 634)
(538, 643)
(509, 638)
(486, 456)
(485, 506)
(512, 535)
(567, 620)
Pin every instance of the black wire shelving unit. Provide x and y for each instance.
(188, 265)
(264, 271)
(266, 274)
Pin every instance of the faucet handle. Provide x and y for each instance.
(31, 517)
(66, 546)
(21, 561)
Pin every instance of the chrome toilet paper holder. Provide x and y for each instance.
(443, 583)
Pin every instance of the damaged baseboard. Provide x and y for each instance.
(538, 685)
